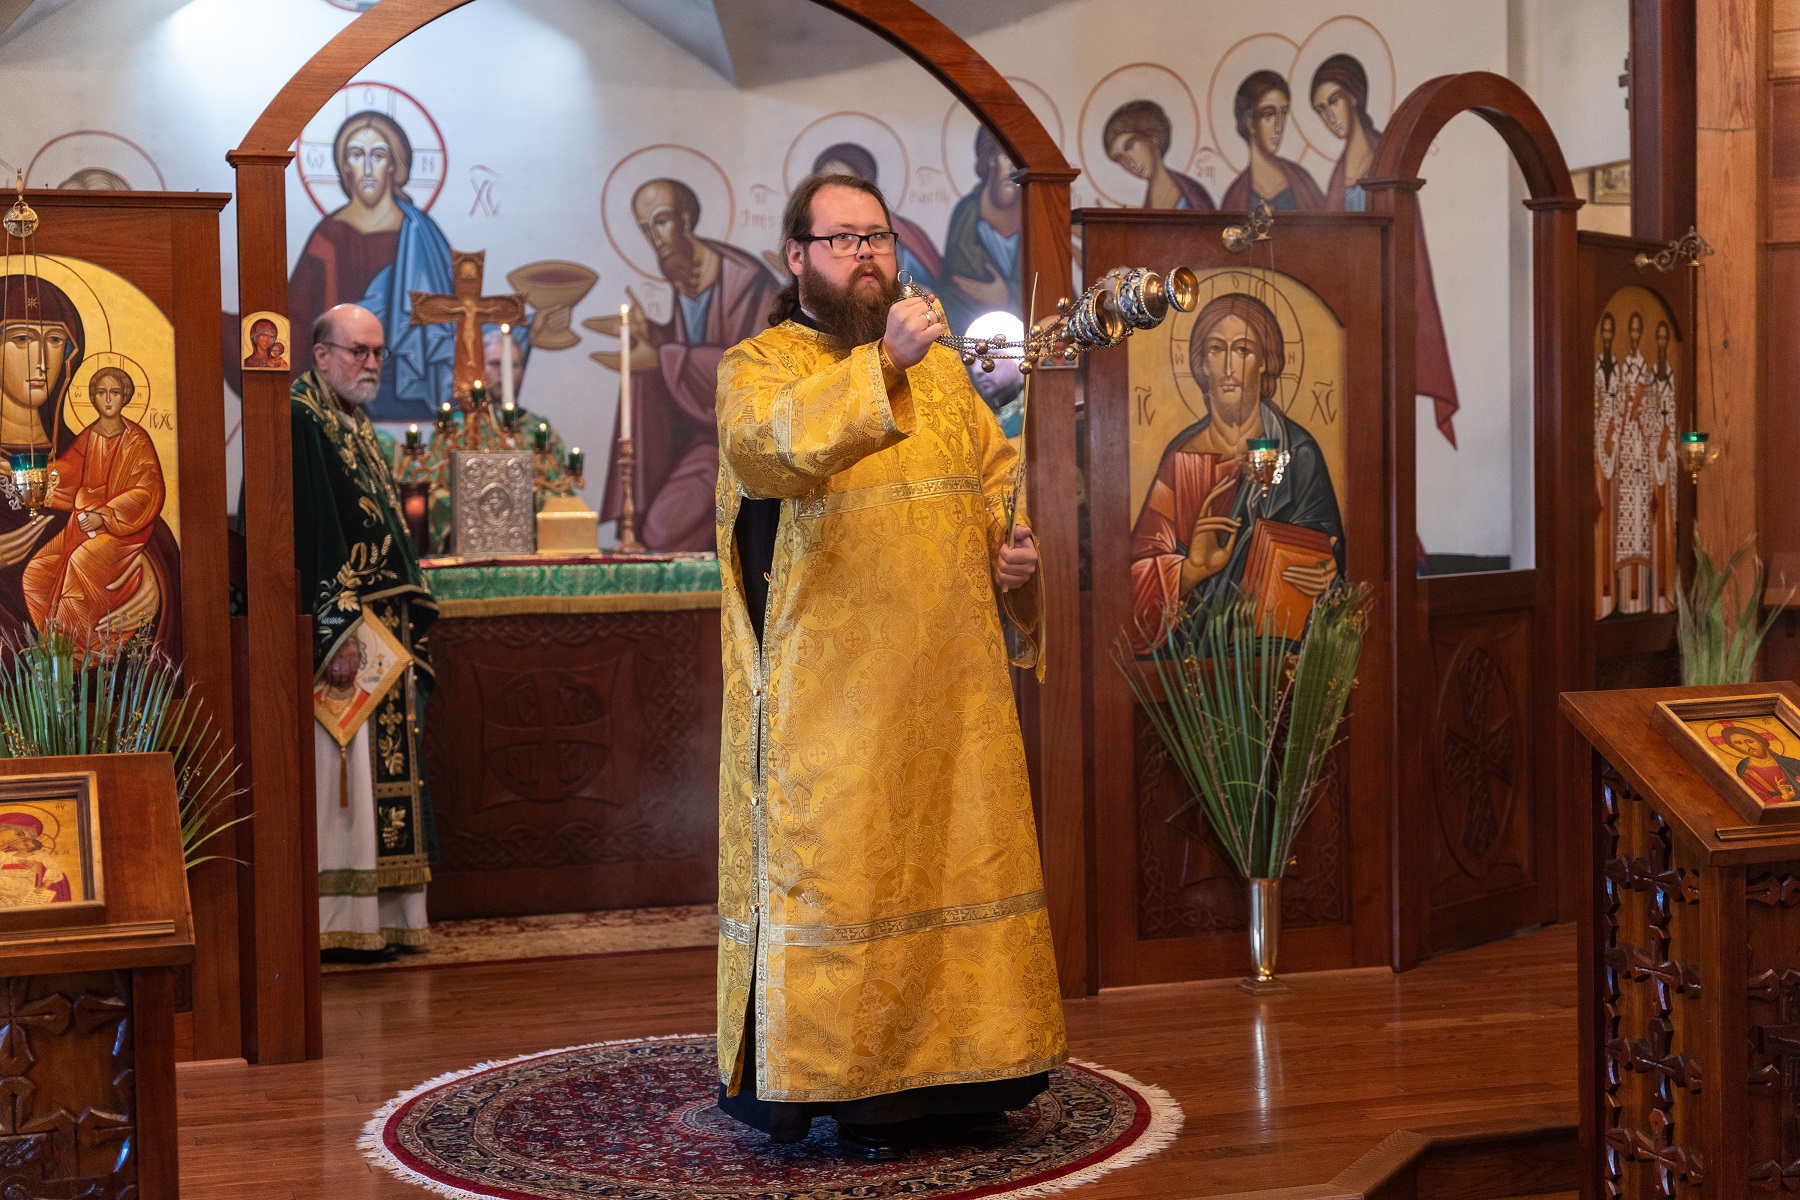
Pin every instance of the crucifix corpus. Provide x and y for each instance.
(470, 310)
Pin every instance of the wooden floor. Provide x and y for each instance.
(1282, 1091)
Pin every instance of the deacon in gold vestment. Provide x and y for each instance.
(885, 952)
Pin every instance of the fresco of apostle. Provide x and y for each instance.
(722, 296)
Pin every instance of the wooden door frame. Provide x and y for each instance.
(1565, 639)
(282, 1019)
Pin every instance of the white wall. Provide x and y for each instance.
(546, 96)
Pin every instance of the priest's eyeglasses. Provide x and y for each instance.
(372, 354)
(845, 244)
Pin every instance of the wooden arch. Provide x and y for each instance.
(1438, 626)
(280, 971)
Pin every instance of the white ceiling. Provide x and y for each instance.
(755, 42)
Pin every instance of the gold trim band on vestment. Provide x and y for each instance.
(529, 606)
(906, 923)
(889, 493)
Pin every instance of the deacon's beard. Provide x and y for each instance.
(856, 314)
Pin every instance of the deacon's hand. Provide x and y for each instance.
(1018, 562)
(912, 326)
(341, 672)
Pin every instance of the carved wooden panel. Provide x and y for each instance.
(1649, 985)
(574, 761)
(68, 1091)
(1772, 898)
(1478, 750)
(1186, 883)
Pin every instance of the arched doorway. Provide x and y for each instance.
(1481, 758)
(281, 974)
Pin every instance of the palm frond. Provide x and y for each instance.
(1248, 720)
(1712, 649)
(60, 696)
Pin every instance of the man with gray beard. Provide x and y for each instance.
(355, 564)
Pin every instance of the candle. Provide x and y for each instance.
(575, 461)
(509, 416)
(506, 361)
(477, 394)
(412, 437)
(446, 414)
(541, 438)
(624, 372)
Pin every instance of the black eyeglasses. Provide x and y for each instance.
(845, 244)
(360, 353)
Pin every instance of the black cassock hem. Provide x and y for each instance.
(788, 1120)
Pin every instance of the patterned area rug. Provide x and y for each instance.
(635, 1120)
(562, 935)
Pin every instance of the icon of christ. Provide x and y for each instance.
(1197, 532)
(111, 484)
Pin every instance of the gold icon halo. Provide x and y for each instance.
(52, 824)
(1715, 733)
(80, 406)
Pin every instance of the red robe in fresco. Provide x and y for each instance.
(1302, 195)
(119, 479)
(1431, 351)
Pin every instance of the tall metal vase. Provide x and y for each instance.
(1265, 937)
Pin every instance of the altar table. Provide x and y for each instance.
(572, 743)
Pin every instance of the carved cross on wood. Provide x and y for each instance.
(1654, 1056)
(469, 310)
(18, 1018)
(1780, 1042)
(1670, 1161)
(1481, 753)
(1667, 978)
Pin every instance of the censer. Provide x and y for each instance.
(1124, 300)
(29, 478)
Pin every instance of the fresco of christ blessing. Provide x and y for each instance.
(376, 251)
(722, 296)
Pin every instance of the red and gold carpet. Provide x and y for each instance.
(634, 1120)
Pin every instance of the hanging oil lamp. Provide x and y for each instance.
(1694, 453)
(30, 478)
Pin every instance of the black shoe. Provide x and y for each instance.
(870, 1143)
(335, 954)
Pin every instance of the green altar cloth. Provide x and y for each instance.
(492, 587)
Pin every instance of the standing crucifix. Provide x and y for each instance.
(470, 310)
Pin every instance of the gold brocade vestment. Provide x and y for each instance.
(878, 862)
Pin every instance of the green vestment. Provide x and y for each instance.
(355, 559)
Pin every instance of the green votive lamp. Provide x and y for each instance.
(1264, 453)
(576, 459)
(412, 437)
(446, 415)
(477, 394)
(509, 416)
(1693, 453)
(540, 437)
